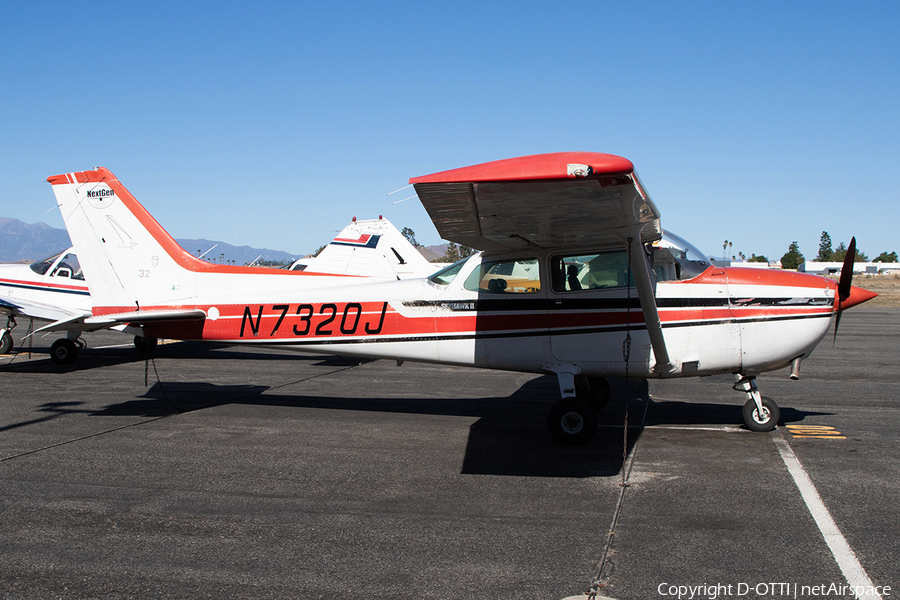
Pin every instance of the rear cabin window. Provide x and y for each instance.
(518, 276)
(593, 271)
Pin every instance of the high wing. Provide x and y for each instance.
(559, 200)
(562, 199)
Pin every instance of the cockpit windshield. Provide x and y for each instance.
(448, 274)
(68, 266)
(40, 267)
(674, 258)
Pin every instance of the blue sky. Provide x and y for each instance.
(273, 124)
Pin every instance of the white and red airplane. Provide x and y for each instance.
(576, 278)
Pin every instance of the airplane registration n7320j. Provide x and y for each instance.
(574, 265)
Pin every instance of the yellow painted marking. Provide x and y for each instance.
(821, 432)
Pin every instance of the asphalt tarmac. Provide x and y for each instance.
(257, 473)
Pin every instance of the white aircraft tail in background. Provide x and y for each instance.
(373, 248)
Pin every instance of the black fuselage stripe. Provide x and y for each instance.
(558, 304)
(38, 288)
(534, 332)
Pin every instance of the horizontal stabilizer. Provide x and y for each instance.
(74, 323)
(139, 317)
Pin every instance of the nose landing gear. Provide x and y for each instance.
(760, 412)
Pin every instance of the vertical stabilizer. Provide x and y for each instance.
(129, 260)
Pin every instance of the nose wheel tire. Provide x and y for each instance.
(761, 422)
(63, 351)
(572, 422)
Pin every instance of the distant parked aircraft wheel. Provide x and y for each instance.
(765, 422)
(572, 422)
(6, 343)
(63, 351)
(145, 345)
(598, 395)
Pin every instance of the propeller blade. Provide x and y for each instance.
(844, 284)
(837, 323)
(847, 272)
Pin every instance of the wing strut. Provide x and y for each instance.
(640, 267)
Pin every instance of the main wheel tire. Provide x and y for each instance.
(594, 390)
(6, 343)
(572, 422)
(63, 351)
(145, 345)
(765, 422)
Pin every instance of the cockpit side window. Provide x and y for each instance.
(515, 276)
(69, 267)
(591, 271)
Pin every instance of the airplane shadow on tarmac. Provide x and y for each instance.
(93, 358)
(510, 436)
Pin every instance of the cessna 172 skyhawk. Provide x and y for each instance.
(574, 262)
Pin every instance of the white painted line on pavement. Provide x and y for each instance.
(843, 553)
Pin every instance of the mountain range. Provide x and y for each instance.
(27, 242)
(32, 241)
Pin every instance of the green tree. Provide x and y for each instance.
(457, 252)
(825, 251)
(410, 236)
(887, 257)
(792, 258)
(760, 258)
(840, 253)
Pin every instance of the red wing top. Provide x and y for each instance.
(554, 200)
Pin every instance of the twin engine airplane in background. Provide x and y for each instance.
(54, 289)
(576, 278)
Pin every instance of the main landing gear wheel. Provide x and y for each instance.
(63, 351)
(6, 343)
(594, 390)
(764, 422)
(145, 345)
(572, 422)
